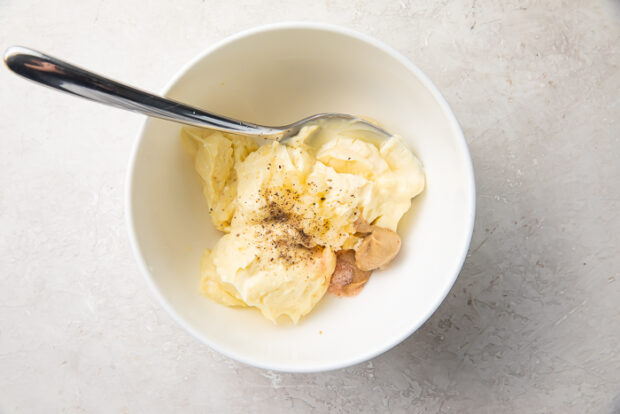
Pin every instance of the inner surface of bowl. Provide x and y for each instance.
(275, 76)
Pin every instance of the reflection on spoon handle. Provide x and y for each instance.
(63, 76)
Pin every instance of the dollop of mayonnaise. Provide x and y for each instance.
(288, 208)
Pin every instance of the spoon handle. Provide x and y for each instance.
(65, 77)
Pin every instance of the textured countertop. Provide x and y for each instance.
(532, 324)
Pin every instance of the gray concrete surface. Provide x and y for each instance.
(533, 322)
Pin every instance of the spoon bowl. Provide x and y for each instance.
(269, 75)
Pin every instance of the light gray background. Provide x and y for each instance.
(533, 322)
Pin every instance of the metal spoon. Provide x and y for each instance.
(65, 77)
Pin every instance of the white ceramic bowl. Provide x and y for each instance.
(274, 75)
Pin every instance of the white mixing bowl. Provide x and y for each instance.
(275, 75)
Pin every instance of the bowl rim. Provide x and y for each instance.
(301, 368)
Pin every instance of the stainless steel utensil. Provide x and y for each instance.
(66, 77)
